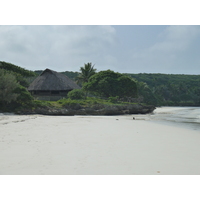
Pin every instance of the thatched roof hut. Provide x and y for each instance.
(51, 85)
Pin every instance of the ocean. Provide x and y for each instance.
(189, 117)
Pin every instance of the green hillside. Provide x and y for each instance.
(171, 89)
(155, 89)
(164, 89)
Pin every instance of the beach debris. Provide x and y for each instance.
(133, 118)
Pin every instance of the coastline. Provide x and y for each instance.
(104, 145)
(97, 109)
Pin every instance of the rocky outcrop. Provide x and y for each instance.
(95, 110)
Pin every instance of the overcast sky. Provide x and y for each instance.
(125, 49)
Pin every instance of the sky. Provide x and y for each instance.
(121, 48)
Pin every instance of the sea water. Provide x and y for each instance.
(180, 116)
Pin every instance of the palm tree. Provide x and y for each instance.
(86, 72)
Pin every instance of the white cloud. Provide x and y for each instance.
(57, 47)
(131, 49)
(176, 38)
(174, 45)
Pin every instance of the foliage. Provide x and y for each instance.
(168, 89)
(87, 102)
(86, 72)
(16, 69)
(13, 94)
(113, 99)
(171, 89)
(76, 94)
(110, 84)
(71, 75)
(8, 84)
(20, 73)
(24, 97)
(146, 95)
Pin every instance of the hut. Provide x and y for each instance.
(51, 85)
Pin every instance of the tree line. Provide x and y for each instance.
(154, 89)
(13, 86)
(171, 89)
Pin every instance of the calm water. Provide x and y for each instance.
(181, 116)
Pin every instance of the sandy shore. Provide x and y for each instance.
(103, 145)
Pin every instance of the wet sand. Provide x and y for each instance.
(97, 145)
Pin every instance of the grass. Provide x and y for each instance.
(88, 102)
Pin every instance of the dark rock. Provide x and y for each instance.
(95, 110)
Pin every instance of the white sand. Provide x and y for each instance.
(65, 145)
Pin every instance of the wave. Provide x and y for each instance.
(189, 116)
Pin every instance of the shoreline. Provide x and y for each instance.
(96, 145)
(99, 109)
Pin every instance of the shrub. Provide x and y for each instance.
(110, 84)
(76, 94)
(8, 84)
(113, 99)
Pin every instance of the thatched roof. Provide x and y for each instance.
(51, 80)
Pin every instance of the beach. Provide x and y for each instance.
(96, 145)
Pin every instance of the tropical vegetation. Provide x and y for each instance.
(86, 72)
(98, 88)
(111, 84)
(13, 83)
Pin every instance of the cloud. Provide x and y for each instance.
(56, 47)
(176, 38)
(131, 49)
(173, 47)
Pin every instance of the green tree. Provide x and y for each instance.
(86, 72)
(16, 69)
(110, 84)
(8, 84)
(24, 96)
(76, 94)
(145, 93)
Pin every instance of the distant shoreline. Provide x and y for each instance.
(93, 110)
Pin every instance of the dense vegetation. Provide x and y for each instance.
(167, 89)
(22, 75)
(171, 89)
(13, 83)
(104, 87)
(16, 69)
(15, 97)
(111, 84)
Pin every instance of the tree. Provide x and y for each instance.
(76, 94)
(146, 94)
(86, 72)
(8, 84)
(111, 84)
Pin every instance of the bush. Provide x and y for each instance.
(76, 94)
(111, 84)
(8, 84)
(24, 96)
(113, 99)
